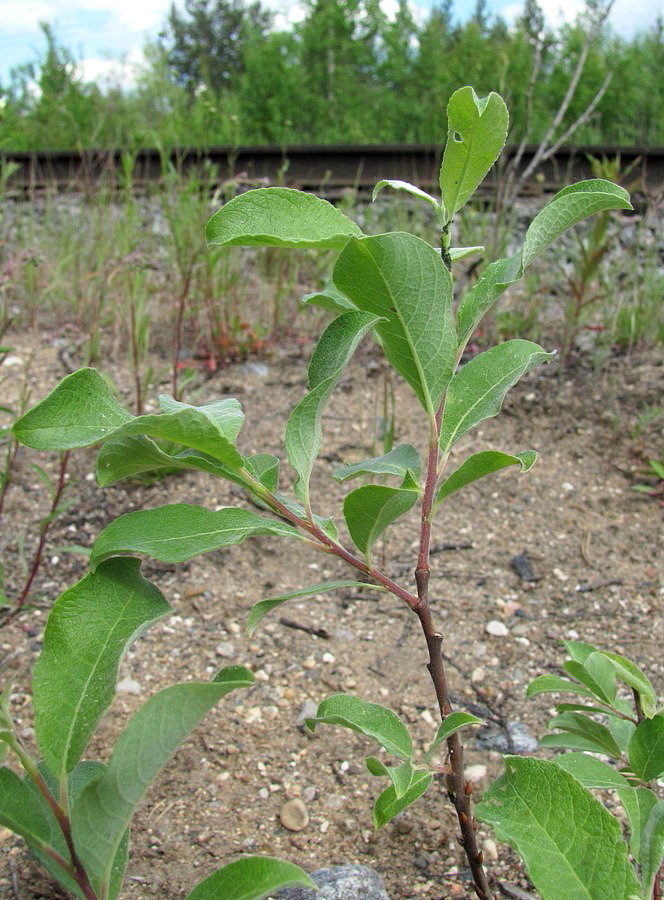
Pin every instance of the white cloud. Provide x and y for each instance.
(18, 17)
(108, 73)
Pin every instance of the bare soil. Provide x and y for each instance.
(594, 544)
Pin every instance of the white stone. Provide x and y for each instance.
(496, 628)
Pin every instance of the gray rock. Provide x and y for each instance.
(308, 710)
(341, 883)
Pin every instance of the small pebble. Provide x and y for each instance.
(475, 773)
(225, 649)
(294, 815)
(490, 850)
(128, 686)
(496, 628)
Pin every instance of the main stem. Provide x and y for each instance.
(458, 789)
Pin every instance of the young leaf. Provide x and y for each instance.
(579, 650)
(88, 631)
(571, 845)
(484, 463)
(190, 426)
(449, 726)
(478, 390)
(303, 430)
(476, 133)
(262, 608)
(457, 253)
(388, 805)
(578, 732)
(251, 878)
(402, 459)
(105, 808)
(279, 217)
(20, 810)
(371, 719)
(598, 674)
(593, 773)
(330, 298)
(490, 286)
(600, 682)
(401, 776)
(178, 532)
(629, 673)
(225, 415)
(638, 803)
(370, 509)
(404, 186)
(404, 281)
(553, 684)
(265, 468)
(569, 206)
(646, 749)
(82, 410)
(652, 847)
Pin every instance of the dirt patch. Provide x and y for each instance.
(594, 545)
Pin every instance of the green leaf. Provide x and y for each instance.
(629, 673)
(477, 392)
(490, 286)
(225, 415)
(553, 684)
(587, 677)
(20, 810)
(457, 253)
(178, 532)
(579, 650)
(104, 810)
(330, 298)
(88, 631)
(484, 463)
(571, 845)
(82, 410)
(403, 280)
(581, 733)
(279, 217)
(569, 206)
(646, 749)
(638, 803)
(388, 805)
(263, 607)
(251, 878)
(402, 459)
(595, 774)
(190, 426)
(265, 468)
(370, 509)
(401, 776)
(652, 847)
(404, 186)
(476, 133)
(371, 719)
(449, 726)
(601, 673)
(303, 430)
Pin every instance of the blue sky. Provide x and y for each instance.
(98, 31)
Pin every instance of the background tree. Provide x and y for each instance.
(206, 43)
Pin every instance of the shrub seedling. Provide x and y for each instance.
(398, 289)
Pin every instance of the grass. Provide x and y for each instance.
(116, 272)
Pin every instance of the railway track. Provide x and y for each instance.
(329, 170)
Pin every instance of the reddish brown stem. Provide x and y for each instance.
(78, 872)
(43, 531)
